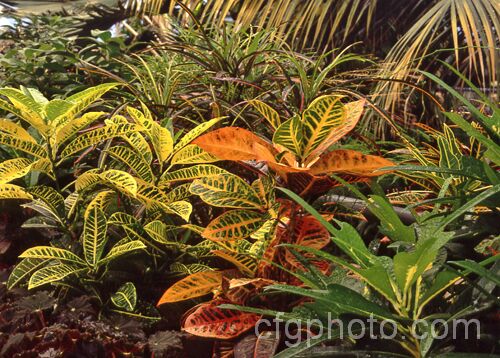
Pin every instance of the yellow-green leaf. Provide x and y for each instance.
(26, 146)
(192, 154)
(94, 236)
(322, 116)
(267, 112)
(11, 191)
(233, 225)
(226, 190)
(14, 168)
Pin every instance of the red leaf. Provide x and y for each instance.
(210, 321)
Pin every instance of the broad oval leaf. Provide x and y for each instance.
(133, 160)
(234, 143)
(291, 135)
(350, 162)
(196, 132)
(122, 249)
(267, 112)
(125, 297)
(23, 269)
(353, 111)
(195, 285)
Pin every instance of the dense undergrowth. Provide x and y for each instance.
(219, 178)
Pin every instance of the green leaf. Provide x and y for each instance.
(51, 197)
(290, 135)
(390, 223)
(192, 154)
(476, 268)
(126, 297)
(196, 132)
(23, 269)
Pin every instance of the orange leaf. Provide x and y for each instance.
(234, 143)
(350, 162)
(208, 320)
(195, 285)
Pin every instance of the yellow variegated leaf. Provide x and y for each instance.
(26, 146)
(162, 140)
(133, 160)
(102, 200)
(290, 135)
(27, 108)
(140, 145)
(15, 130)
(322, 116)
(195, 285)
(121, 249)
(70, 203)
(192, 154)
(94, 236)
(121, 219)
(118, 179)
(14, 168)
(226, 190)
(125, 297)
(51, 197)
(180, 192)
(196, 132)
(85, 98)
(52, 273)
(55, 113)
(44, 166)
(11, 191)
(143, 118)
(181, 208)
(267, 112)
(66, 132)
(350, 162)
(194, 172)
(233, 225)
(98, 135)
(158, 231)
(353, 111)
(52, 253)
(150, 194)
(244, 262)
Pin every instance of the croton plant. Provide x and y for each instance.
(249, 233)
